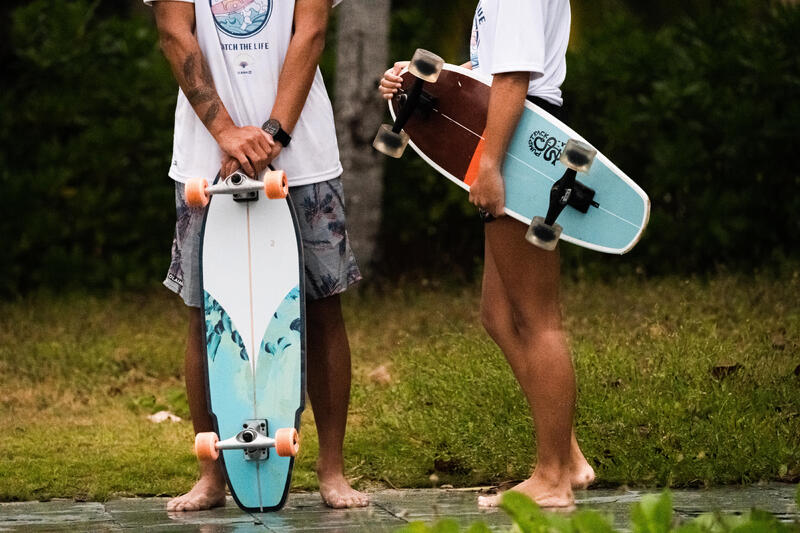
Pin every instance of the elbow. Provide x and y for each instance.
(166, 42)
(169, 41)
(317, 41)
(313, 40)
(173, 35)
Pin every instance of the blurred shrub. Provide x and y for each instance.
(702, 113)
(86, 129)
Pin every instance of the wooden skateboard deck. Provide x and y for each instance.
(448, 136)
(252, 276)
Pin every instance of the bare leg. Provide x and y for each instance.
(328, 357)
(498, 319)
(209, 491)
(521, 311)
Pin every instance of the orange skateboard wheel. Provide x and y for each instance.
(195, 190)
(205, 446)
(287, 442)
(275, 184)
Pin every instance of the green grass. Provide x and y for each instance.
(681, 382)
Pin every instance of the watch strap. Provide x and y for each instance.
(282, 137)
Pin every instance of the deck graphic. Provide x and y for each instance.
(220, 329)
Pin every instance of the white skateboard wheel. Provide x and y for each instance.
(543, 235)
(577, 155)
(390, 143)
(426, 65)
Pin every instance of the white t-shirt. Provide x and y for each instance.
(523, 36)
(245, 43)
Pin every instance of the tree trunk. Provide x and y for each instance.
(361, 59)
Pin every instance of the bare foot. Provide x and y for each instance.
(336, 492)
(551, 493)
(207, 493)
(582, 475)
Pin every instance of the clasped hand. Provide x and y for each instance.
(249, 148)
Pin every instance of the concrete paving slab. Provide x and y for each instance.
(306, 512)
(390, 509)
(52, 515)
(151, 515)
(432, 505)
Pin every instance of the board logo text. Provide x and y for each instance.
(545, 146)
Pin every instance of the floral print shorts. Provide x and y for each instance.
(330, 265)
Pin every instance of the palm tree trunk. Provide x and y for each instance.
(361, 58)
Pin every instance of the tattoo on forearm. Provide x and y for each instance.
(200, 89)
(211, 113)
(201, 95)
(205, 73)
(189, 68)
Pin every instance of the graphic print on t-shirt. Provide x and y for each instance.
(241, 18)
(475, 39)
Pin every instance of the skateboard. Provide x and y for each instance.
(254, 329)
(550, 172)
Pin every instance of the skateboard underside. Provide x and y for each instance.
(254, 332)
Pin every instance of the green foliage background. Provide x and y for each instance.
(85, 132)
(699, 104)
(704, 115)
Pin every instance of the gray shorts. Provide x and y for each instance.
(329, 262)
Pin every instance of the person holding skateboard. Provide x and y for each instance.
(522, 44)
(251, 94)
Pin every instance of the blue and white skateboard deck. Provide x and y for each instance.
(447, 132)
(253, 304)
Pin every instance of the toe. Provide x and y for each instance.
(173, 504)
(186, 506)
(489, 501)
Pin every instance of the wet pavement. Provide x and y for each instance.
(390, 510)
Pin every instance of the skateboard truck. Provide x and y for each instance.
(577, 156)
(240, 185)
(425, 66)
(424, 104)
(253, 439)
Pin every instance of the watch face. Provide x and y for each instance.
(272, 126)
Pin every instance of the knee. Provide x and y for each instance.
(535, 323)
(496, 323)
(540, 328)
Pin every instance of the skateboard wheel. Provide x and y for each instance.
(275, 184)
(543, 235)
(205, 446)
(287, 442)
(426, 65)
(390, 143)
(577, 155)
(195, 191)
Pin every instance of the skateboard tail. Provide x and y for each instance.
(279, 355)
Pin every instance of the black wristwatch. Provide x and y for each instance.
(273, 127)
